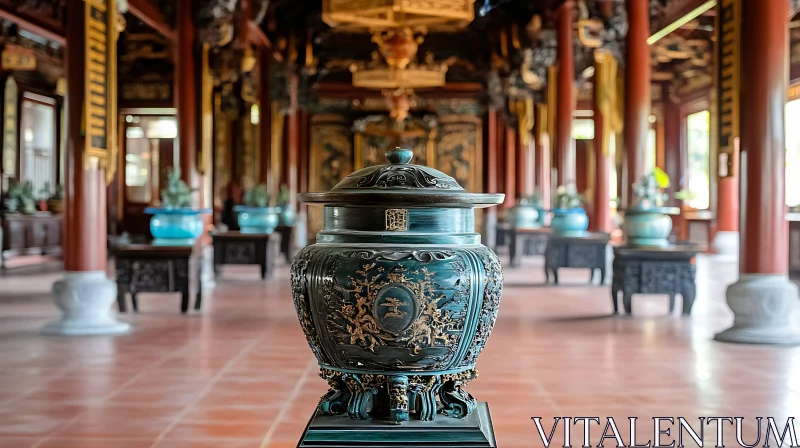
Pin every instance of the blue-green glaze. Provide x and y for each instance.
(285, 215)
(176, 226)
(569, 222)
(525, 216)
(647, 227)
(256, 219)
(397, 299)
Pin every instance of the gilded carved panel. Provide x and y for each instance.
(330, 159)
(459, 150)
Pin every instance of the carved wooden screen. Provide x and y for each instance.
(331, 159)
(459, 151)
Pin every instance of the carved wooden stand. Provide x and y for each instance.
(474, 431)
(669, 270)
(245, 248)
(528, 242)
(156, 268)
(576, 252)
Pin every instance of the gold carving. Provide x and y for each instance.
(395, 310)
(397, 219)
(395, 13)
(15, 57)
(355, 323)
(729, 23)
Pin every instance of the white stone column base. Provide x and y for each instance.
(85, 300)
(763, 305)
(726, 245)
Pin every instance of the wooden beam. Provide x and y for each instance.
(148, 12)
(27, 25)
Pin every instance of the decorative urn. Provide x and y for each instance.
(176, 225)
(398, 297)
(527, 214)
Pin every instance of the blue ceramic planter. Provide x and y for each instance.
(285, 215)
(569, 221)
(527, 216)
(648, 227)
(256, 219)
(176, 225)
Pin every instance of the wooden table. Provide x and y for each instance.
(587, 252)
(527, 242)
(147, 267)
(246, 248)
(286, 241)
(670, 270)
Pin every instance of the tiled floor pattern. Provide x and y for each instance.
(240, 375)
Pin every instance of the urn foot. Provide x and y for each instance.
(397, 398)
(474, 431)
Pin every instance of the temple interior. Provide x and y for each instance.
(255, 223)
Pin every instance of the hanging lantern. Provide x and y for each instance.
(397, 13)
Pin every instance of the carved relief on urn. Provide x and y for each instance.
(398, 297)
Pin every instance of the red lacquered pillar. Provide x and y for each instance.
(601, 219)
(541, 156)
(637, 92)
(763, 299)
(85, 294)
(726, 238)
(492, 153)
(186, 94)
(565, 148)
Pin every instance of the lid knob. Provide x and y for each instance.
(399, 156)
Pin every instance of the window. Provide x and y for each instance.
(792, 153)
(142, 153)
(583, 128)
(699, 157)
(38, 142)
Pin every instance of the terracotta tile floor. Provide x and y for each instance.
(239, 374)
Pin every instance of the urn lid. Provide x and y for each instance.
(401, 183)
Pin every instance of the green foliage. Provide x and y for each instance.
(647, 192)
(23, 194)
(567, 197)
(176, 194)
(662, 178)
(44, 193)
(685, 195)
(283, 196)
(257, 196)
(535, 199)
(58, 194)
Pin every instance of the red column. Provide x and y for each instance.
(565, 150)
(637, 91)
(85, 294)
(524, 169)
(762, 136)
(491, 152)
(186, 69)
(264, 117)
(763, 300)
(601, 219)
(84, 183)
(511, 163)
(726, 238)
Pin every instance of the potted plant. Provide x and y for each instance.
(647, 222)
(528, 213)
(56, 202)
(285, 212)
(44, 195)
(256, 215)
(176, 222)
(20, 198)
(569, 217)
